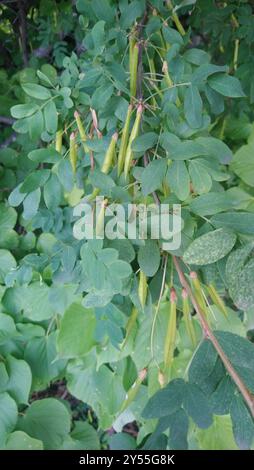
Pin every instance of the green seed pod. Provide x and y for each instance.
(99, 229)
(198, 291)
(124, 141)
(59, 140)
(217, 300)
(188, 319)
(133, 135)
(168, 80)
(142, 288)
(130, 324)
(81, 130)
(133, 391)
(169, 345)
(109, 157)
(175, 18)
(133, 69)
(73, 153)
(107, 163)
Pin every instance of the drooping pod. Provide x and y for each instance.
(130, 324)
(169, 345)
(175, 18)
(217, 300)
(107, 162)
(124, 141)
(198, 291)
(109, 157)
(134, 51)
(142, 288)
(99, 229)
(59, 141)
(133, 135)
(82, 131)
(133, 391)
(188, 319)
(73, 153)
(169, 80)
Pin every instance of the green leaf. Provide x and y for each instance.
(201, 180)
(51, 117)
(186, 150)
(149, 257)
(52, 192)
(32, 300)
(47, 420)
(20, 379)
(23, 110)
(34, 181)
(243, 425)
(49, 155)
(9, 415)
(204, 71)
(196, 405)
(179, 425)
(178, 179)
(7, 263)
(219, 436)
(83, 437)
(211, 203)
(241, 222)
(7, 327)
(36, 91)
(76, 334)
(19, 440)
(144, 142)
(165, 401)
(226, 85)
(35, 125)
(41, 355)
(153, 175)
(210, 247)
(193, 107)
(240, 352)
(239, 275)
(243, 163)
(122, 441)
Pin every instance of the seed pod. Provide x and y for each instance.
(175, 18)
(130, 324)
(188, 319)
(109, 157)
(133, 69)
(142, 288)
(73, 153)
(198, 291)
(81, 130)
(59, 139)
(168, 80)
(99, 229)
(133, 135)
(153, 77)
(124, 141)
(133, 391)
(95, 123)
(169, 345)
(217, 300)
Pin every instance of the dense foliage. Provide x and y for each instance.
(122, 342)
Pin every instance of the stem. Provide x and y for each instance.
(23, 32)
(248, 397)
(175, 18)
